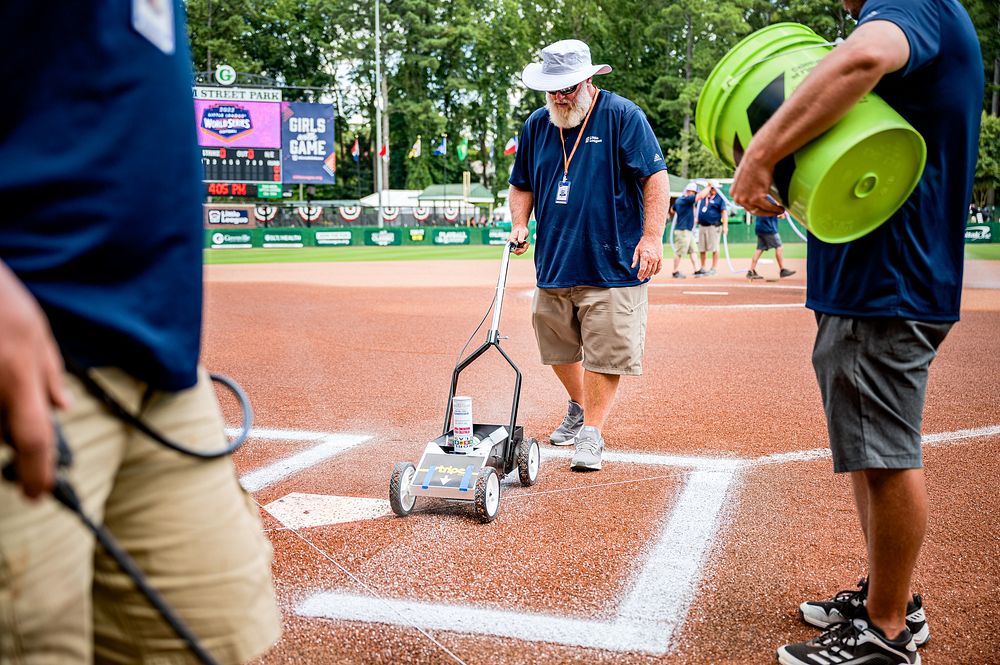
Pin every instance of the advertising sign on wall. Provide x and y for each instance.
(231, 240)
(308, 145)
(283, 238)
(232, 216)
(232, 124)
(343, 238)
(450, 237)
(383, 237)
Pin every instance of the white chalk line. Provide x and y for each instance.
(646, 621)
(654, 609)
(939, 439)
(328, 445)
(789, 305)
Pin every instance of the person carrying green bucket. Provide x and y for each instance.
(886, 293)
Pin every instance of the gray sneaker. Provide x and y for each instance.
(589, 446)
(570, 427)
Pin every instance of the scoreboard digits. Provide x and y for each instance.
(237, 165)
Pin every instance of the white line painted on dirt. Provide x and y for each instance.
(655, 607)
(280, 434)
(300, 511)
(478, 620)
(328, 446)
(665, 587)
(705, 293)
(656, 459)
(661, 593)
(786, 305)
(939, 439)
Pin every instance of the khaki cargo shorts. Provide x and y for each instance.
(186, 522)
(603, 327)
(708, 238)
(684, 243)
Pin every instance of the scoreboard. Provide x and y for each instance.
(241, 164)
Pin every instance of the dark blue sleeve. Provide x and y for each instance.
(520, 175)
(685, 200)
(640, 149)
(918, 19)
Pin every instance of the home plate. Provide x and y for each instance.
(297, 510)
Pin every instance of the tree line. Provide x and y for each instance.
(452, 69)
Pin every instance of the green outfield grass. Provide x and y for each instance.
(411, 253)
(435, 253)
(989, 252)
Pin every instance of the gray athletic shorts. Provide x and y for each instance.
(767, 241)
(872, 375)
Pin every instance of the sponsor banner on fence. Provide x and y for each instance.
(231, 240)
(307, 143)
(236, 124)
(975, 233)
(325, 238)
(450, 237)
(229, 216)
(283, 239)
(495, 236)
(417, 235)
(383, 237)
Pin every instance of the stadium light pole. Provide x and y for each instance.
(378, 114)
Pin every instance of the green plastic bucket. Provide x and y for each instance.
(844, 183)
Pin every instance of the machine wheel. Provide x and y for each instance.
(399, 488)
(488, 494)
(529, 460)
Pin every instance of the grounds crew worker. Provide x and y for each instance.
(590, 166)
(885, 301)
(101, 260)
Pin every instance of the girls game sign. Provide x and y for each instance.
(308, 146)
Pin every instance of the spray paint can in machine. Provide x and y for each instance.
(461, 412)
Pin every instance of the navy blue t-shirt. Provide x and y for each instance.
(710, 211)
(766, 226)
(684, 207)
(911, 266)
(590, 240)
(100, 176)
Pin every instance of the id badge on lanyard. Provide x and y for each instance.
(562, 192)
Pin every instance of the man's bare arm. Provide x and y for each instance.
(835, 85)
(521, 202)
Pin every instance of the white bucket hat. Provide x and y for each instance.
(563, 64)
(691, 186)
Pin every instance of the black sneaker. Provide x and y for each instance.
(785, 272)
(699, 272)
(752, 274)
(678, 274)
(846, 604)
(854, 642)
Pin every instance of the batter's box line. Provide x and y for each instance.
(647, 618)
(659, 597)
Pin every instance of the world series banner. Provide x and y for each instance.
(237, 124)
(308, 145)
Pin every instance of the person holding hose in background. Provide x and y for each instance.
(884, 302)
(101, 264)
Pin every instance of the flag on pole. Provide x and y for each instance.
(384, 152)
(511, 146)
(462, 149)
(355, 150)
(415, 150)
(442, 148)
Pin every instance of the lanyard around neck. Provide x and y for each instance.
(562, 141)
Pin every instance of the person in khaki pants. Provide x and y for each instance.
(100, 263)
(590, 166)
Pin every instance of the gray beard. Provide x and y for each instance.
(568, 117)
